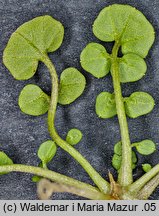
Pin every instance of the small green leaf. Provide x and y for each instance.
(116, 161)
(134, 157)
(146, 167)
(127, 26)
(29, 43)
(117, 157)
(33, 101)
(46, 151)
(4, 160)
(145, 147)
(74, 136)
(105, 105)
(131, 68)
(118, 148)
(95, 60)
(139, 103)
(72, 85)
(36, 178)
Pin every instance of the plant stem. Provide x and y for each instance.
(92, 192)
(46, 189)
(125, 173)
(102, 184)
(137, 185)
(148, 189)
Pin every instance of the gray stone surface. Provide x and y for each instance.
(20, 135)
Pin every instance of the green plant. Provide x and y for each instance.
(30, 44)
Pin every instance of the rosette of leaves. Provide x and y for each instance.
(30, 44)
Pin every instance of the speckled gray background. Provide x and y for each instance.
(20, 135)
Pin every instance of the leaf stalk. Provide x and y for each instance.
(89, 191)
(102, 184)
(138, 184)
(125, 172)
(149, 188)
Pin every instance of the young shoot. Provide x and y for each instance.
(30, 44)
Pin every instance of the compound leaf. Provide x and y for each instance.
(72, 85)
(74, 136)
(33, 101)
(46, 151)
(131, 68)
(4, 160)
(105, 105)
(29, 43)
(139, 103)
(145, 147)
(127, 26)
(95, 60)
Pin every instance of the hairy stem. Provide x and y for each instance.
(125, 173)
(102, 184)
(138, 184)
(56, 177)
(148, 189)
